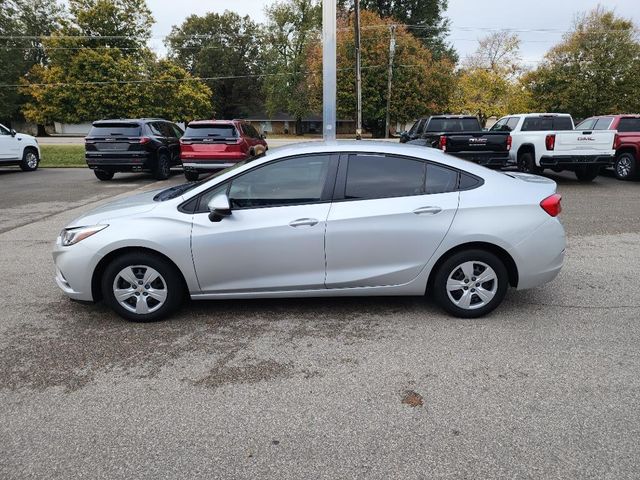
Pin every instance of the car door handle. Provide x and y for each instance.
(427, 210)
(304, 222)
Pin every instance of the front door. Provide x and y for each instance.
(274, 238)
(393, 215)
(9, 145)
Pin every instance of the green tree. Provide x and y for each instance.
(222, 45)
(421, 85)
(22, 22)
(426, 18)
(292, 26)
(594, 70)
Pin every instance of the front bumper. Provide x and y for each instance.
(576, 160)
(74, 270)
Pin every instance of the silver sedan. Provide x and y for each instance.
(316, 220)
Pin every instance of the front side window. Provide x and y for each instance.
(500, 125)
(293, 181)
(377, 176)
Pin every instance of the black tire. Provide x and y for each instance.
(587, 173)
(170, 278)
(527, 163)
(626, 166)
(162, 168)
(103, 175)
(450, 267)
(191, 175)
(30, 160)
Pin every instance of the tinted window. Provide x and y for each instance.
(539, 124)
(500, 125)
(586, 124)
(441, 179)
(377, 176)
(562, 123)
(512, 122)
(249, 130)
(224, 131)
(166, 130)
(4, 130)
(289, 182)
(467, 182)
(178, 131)
(629, 125)
(115, 129)
(156, 129)
(603, 123)
(454, 125)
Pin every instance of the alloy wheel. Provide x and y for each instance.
(140, 289)
(472, 285)
(623, 166)
(31, 160)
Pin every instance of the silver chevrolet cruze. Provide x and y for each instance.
(320, 219)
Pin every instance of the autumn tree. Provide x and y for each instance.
(222, 45)
(421, 84)
(594, 70)
(292, 26)
(426, 20)
(489, 82)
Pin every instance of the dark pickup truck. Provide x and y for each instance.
(461, 136)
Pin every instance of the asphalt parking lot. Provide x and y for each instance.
(548, 386)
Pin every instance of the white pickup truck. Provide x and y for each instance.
(18, 149)
(548, 140)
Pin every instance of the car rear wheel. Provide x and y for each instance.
(103, 175)
(527, 163)
(162, 168)
(191, 175)
(625, 167)
(30, 160)
(471, 283)
(141, 287)
(588, 173)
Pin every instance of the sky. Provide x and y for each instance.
(540, 23)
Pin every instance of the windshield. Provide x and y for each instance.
(225, 131)
(178, 190)
(115, 129)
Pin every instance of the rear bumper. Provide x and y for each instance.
(130, 162)
(487, 159)
(191, 164)
(576, 160)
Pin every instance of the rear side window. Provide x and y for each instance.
(379, 176)
(201, 131)
(512, 123)
(629, 125)
(440, 179)
(454, 125)
(115, 129)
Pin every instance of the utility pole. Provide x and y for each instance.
(358, 74)
(392, 52)
(329, 69)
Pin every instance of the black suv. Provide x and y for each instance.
(142, 145)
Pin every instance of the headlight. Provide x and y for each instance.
(71, 236)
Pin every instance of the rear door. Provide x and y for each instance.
(389, 216)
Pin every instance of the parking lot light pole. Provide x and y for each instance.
(329, 70)
(358, 73)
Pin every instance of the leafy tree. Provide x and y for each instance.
(421, 85)
(489, 84)
(594, 70)
(426, 19)
(292, 25)
(222, 45)
(21, 22)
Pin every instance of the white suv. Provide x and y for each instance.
(18, 149)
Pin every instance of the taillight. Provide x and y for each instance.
(552, 204)
(185, 142)
(144, 140)
(550, 142)
(88, 141)
(443, 143)
(509, 142)
(616, 141)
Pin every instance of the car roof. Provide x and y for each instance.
(214, 122)
(539, 114)
(129, 120)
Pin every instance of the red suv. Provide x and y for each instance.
(627, 143)
(214, 144)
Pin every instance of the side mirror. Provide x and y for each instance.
(13, 132)
(219, 208)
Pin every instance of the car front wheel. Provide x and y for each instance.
(191, 175)
(103, 175)
(471, 283)
(30, 160)
(141, 287)
(162, 169)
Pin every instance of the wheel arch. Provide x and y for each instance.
(32, 148)
(501, 253)
(526, 147)
(96, 278)
(632, 149)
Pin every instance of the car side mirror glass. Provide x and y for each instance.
(13, 132)
(219, 208)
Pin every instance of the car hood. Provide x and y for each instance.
(24, 136)
(135, 204)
